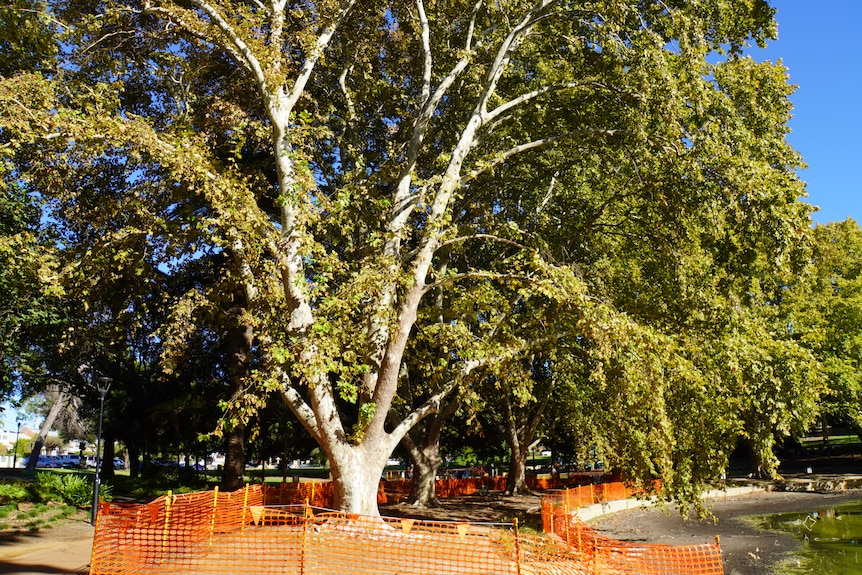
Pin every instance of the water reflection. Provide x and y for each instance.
(831, 539)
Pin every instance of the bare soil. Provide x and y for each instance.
(493, 508)
(29, 518)
(745, 549)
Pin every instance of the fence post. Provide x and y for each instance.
(213, 515)
(566, 516)
(244, 507)
(517, 547)
(168, 501)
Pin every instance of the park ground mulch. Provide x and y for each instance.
(745, 549)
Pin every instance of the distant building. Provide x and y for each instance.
(7, 436)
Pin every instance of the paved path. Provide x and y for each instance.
(65, 549)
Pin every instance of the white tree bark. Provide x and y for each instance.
(59, 403)
(357, 464)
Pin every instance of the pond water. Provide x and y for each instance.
(831, 539)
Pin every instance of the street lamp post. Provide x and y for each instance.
(15, 448)
(103, 384)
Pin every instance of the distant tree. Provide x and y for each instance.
(824, 314)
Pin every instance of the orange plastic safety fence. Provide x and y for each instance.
(397, 490)
(265, 530)
(560, 519)
(235, 533)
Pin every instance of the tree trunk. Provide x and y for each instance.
(356, 474)
(107, 462)
(755, 460)
(134, 455)
(238, 342)
(519, 436)
(423, 444)
(423, 487)
(519, 427)
(234, 463)
(516, 481)
(56, 408)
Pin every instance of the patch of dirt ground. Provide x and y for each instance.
(492, 508)
(19, 533)
(745, 549)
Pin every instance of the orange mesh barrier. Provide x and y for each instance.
(399, 489)
(214, 533)
(258, 530)
(593, 493)
(560, 519)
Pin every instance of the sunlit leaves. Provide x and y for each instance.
(583, 202)
(824, 314)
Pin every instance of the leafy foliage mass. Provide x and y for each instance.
(68, 488)
(13, 492)
(371, 212)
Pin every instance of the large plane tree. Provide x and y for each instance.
(340, 155)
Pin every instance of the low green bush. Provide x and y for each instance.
(13, 492)
(46, 487)
(6, 510)
(67, 488)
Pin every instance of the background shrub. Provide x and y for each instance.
(13, 492)
(67, 488)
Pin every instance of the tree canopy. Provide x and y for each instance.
(824, 314)
(590, 192)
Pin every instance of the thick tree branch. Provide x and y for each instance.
(471, 28)
(492, 237)
(523, 98)
(426, 52)
(311, 60)
(300, 408)
(441, 204)
(403, 203)
(503, 156)
(276, 30)
(247, 57)
(433, 403)
(507, 48)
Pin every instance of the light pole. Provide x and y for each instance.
(15, 447)
(103, 384)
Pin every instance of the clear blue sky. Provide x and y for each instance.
(819, 43)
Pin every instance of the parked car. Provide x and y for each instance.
(119, 463)
(45, 461)
(70, 461)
